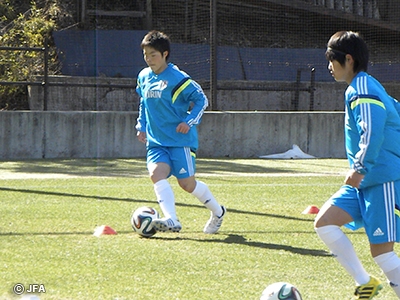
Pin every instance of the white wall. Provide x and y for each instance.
(38, 134)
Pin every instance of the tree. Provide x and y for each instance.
(30, 29)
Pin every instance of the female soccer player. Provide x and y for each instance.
(171, 105)
(370, 196)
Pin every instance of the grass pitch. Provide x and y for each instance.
(49, 210)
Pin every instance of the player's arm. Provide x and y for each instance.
(141, 120)
(183, 128)
(191, 93)
(141, 124)
(370, 116)
(200, 103)
(396, 105)
(353, 178)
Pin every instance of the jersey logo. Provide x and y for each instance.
(156, 88)
(182, 171)
(378, 232)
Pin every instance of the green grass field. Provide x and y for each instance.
(50, 209)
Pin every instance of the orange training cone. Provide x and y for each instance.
(311, 209)
(103, 229)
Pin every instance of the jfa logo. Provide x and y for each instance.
(36, 288)
(19, 288)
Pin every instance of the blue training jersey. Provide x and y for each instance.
(166, 100)
(372, 131)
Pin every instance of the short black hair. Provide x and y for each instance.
(157, 40)
(348, 42)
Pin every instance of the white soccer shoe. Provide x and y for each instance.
(166, 224)
(214, 223)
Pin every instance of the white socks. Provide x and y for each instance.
(390, 265)
(342, 248)
(165, 198)
(203, 193)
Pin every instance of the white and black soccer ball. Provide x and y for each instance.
(141, 221)
(281, 291)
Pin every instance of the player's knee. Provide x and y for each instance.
(187, 184)
(319, 222)
(322, 219)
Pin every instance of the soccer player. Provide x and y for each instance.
(171, 106)
(370, 196)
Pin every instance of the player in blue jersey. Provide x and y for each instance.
(171, 106)
(370, 196)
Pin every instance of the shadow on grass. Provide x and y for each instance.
(217, 166)
(230, 239)
(240, 240)
(75, 195)
(234, 239)
(80, 167)
(46, 233)
(103, 198)
(137, 167)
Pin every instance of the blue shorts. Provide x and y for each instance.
(182, 160)
(375, 208)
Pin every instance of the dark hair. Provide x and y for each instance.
(157, 40)
(348, 42)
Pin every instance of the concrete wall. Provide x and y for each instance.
(38, 134)
(68, 98)
(232, 95)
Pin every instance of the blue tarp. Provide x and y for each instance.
(117, 53)
(282, 64)
(101, 52)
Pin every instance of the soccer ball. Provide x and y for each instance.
(141, 221)
(281, 291)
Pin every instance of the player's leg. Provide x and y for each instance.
(342, 208)
(205, 196)
(201, 191)
(158, 164)
(389, 262)
(184, 168)
(164, 193)
(383, 227)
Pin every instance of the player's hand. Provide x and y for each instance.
(183, 128)
(141, 135)
(353, 178)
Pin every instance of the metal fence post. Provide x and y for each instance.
(46, 73)
(312, 89)
(213, 54)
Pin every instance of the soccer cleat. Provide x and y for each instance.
(166, 224)
(368, 290)
(214, 223)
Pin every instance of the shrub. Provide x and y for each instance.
(30, 29)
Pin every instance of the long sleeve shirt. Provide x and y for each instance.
(166, 100)
(372, 131)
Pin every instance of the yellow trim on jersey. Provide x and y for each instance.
(367, 100)
(181, 88)
(397, 212)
